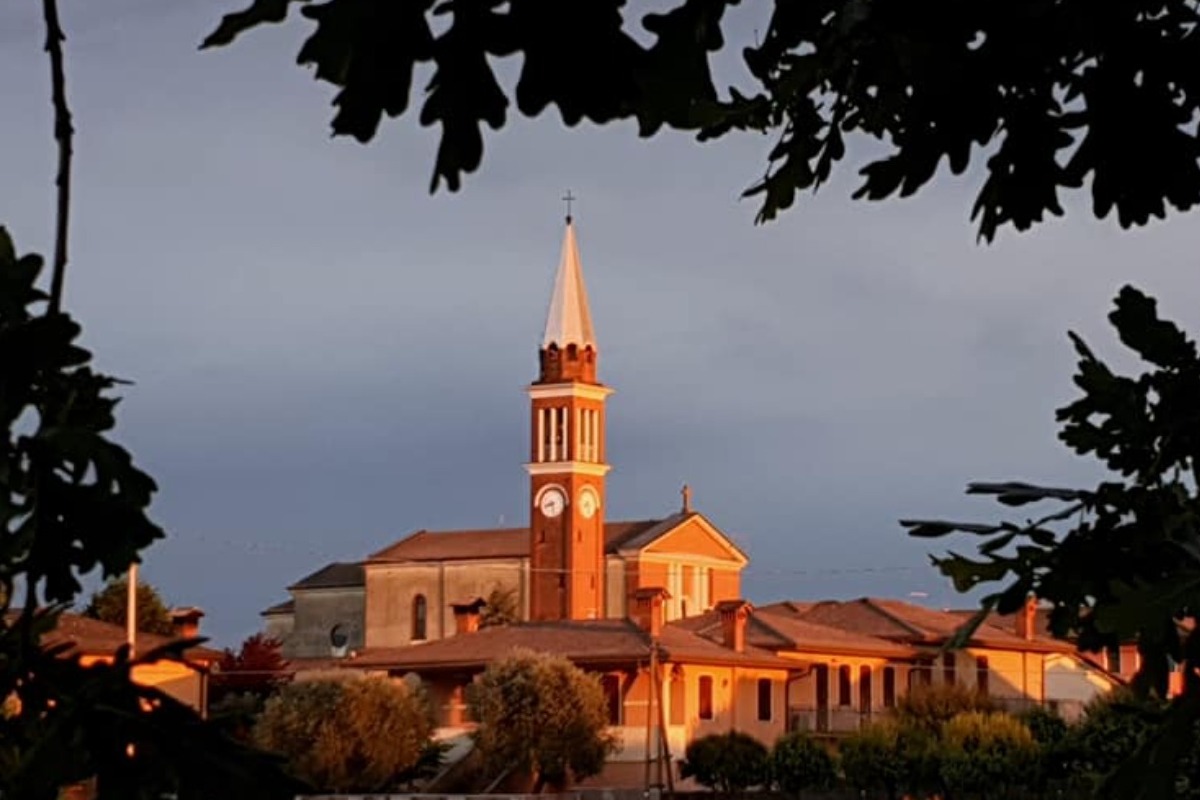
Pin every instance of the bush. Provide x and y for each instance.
(541, 715)
(727, 762)
(799, 763)
(932, 706)
(987, 754)
(890, 757)
(348, 735)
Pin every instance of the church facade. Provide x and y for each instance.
(570, 563)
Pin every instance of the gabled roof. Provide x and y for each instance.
(337, 575)
(585, 642)
(92, 637)
(489, 543)
(910, 624)
(779, 629)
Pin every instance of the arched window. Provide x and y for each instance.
(419, 615)
(844, 691)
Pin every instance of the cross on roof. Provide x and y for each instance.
(568, 199)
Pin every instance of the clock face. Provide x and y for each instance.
(588, 503)
(551, 503)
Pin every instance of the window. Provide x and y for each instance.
(706, 697)
(764, 699)
(419, 614)
(889, 687)
(948, 665)
(864, 689)
(982, 675)
(844, 698)
(1113, 658)
(611, 684)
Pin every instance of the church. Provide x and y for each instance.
(654, 607)
(570, 563)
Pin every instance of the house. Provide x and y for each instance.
(95, 641)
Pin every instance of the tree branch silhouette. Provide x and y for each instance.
(63, 132)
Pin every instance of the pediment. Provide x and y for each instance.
(695, 537)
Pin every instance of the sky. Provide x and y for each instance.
(325, 357)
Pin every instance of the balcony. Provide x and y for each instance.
(828, 719)
(631, 741)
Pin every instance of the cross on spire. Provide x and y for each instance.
(568, 199)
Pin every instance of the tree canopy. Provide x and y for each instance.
(1039, 91)
(111, 604)
(540, 715)
(350, 735)
(1119, 562)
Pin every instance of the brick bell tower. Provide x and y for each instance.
(566, 464)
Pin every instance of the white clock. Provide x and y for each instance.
(552, 502)
(588, 502)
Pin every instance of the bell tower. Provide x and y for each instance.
(566, 463)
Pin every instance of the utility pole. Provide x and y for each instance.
(131, 608)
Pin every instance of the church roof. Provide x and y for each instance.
(484, 543)
(586, 642)
(332, 576)
(569, 321)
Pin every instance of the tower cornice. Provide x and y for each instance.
(586, 391)
(588, 468)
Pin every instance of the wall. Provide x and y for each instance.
(317, 611)
(185, 683)
(279, 626)
(391, 589)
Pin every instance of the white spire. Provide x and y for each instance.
(569, 321)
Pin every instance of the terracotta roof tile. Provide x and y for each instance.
(586, 642)
(87, 636)
(497, 542)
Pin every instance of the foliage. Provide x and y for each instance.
(236, 713)
(540, 715)
(1052, 734)
(1040, 91)
(347, 735)
(1128, 567)
(501, 607)
(930, 706)
(798, 762)
(891, 756)
(257, 667)
(111, 604)
(727, 762)
(72, 501)
(987, 754)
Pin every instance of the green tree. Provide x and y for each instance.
(501, 608)
(542, 716)
(891, 757)
(987, 755)
(348, 735)
(798, 762)
(111, 604)
(728, 762)
(930, 706)
(1127, 565)
(1038, 92)
(73, 503)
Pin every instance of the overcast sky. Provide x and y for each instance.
(326, 357)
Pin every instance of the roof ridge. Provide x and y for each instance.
(870, 602)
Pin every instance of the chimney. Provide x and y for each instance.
(648, 611)
(1027, 619)
(734, 614)
(186, 621)
(466, 615)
